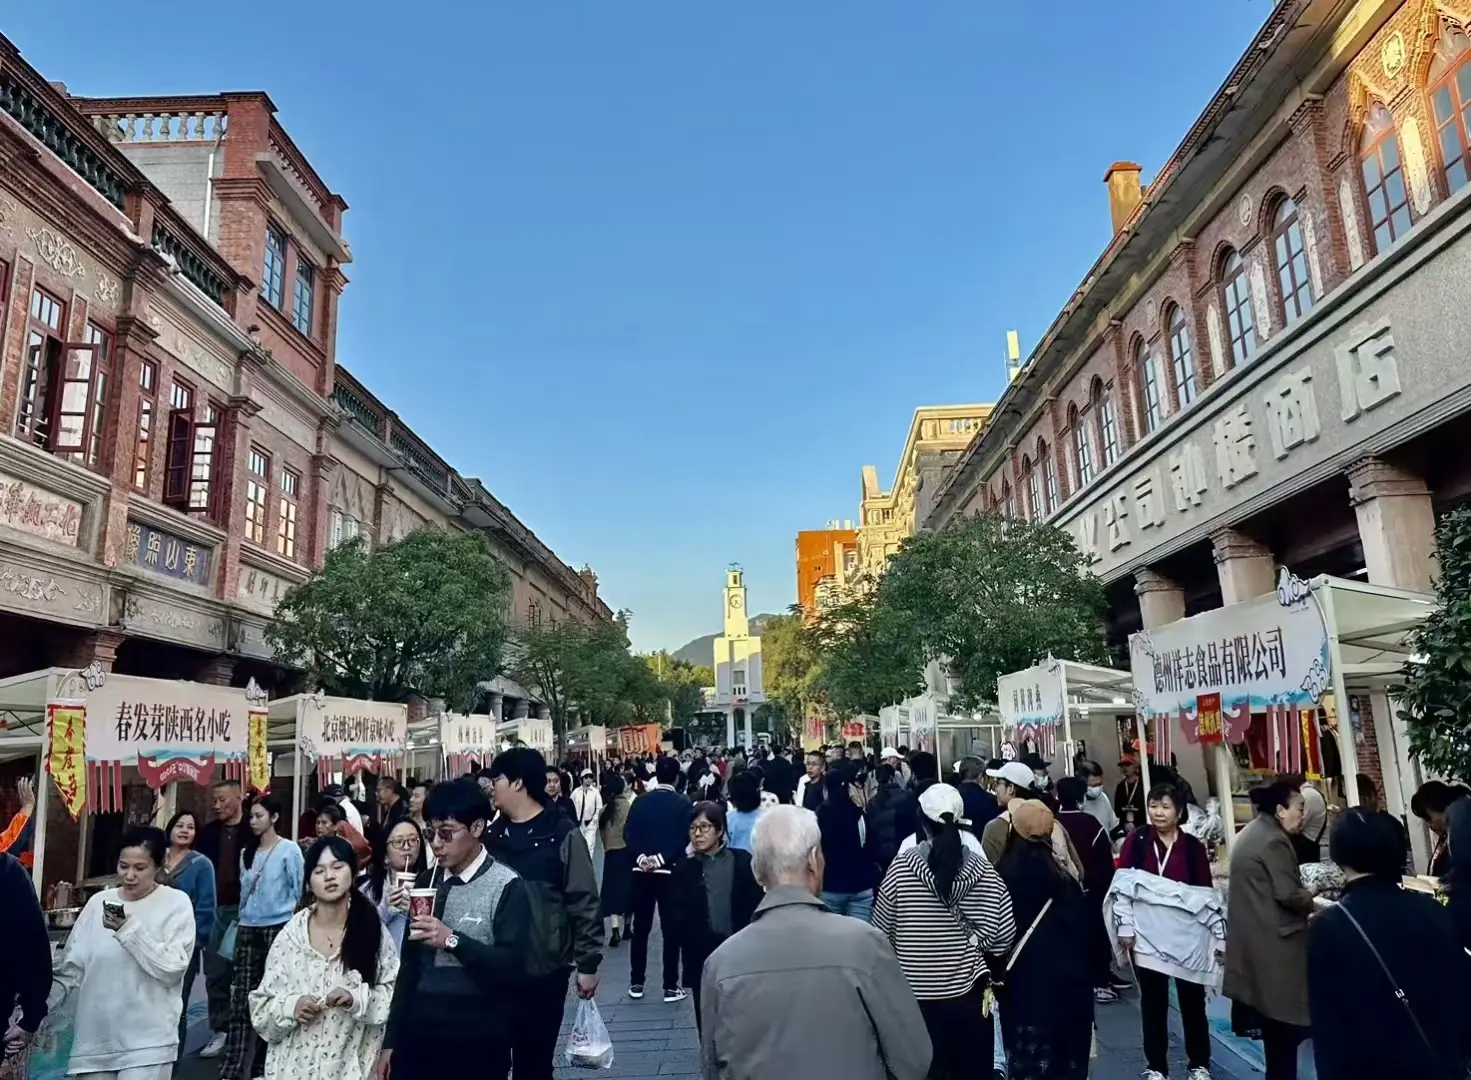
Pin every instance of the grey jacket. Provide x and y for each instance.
(800, 969)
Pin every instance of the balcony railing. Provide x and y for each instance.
(421, 461)
(184, 125)
(53, 133)
(194, 268)
(359, 408)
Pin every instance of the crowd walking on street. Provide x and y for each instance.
(874, 920)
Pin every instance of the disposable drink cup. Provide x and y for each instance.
(421, 903)
(404, 878)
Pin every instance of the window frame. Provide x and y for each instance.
(143, 431)
(45, 346)
(1456, 64)
(1372, 146)
(179, 446)
(102, 340)
(1050, 490)
(1109, 437)
(287, 503)
(1008, 499)
(1034, 488)
(1287, 230)
(1082, 445)
(1235, 295)
(273, 268)
(1147, 379)
(310, 277)
(1184, 381)
(257, 495)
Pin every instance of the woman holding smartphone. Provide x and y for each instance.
(123, 971)
(324, 998)
(271, 870)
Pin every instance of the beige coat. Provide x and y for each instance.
(1266, 925)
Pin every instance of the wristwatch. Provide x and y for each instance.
(452, 942)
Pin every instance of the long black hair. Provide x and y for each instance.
(271, 804)
(363, 935)
(378, 872)
(947, 852)
(612, 788)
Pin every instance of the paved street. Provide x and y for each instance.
(652, 1039)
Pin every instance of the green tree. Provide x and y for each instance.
(990, 595)
(1435, 700)
(790, 673)
(683, 686)
(572, 665)
(422, 615)
(869, 654)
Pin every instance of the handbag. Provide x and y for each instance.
(1000, 982)
(1399, 993)
(226, 951)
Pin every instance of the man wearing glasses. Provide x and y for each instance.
(535, 839)
(465, 965)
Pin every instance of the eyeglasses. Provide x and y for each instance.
(408, 843)
(700, 828)
(446, 834)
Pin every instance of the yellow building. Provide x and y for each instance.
(938, 435)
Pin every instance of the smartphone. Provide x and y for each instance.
(113, 910)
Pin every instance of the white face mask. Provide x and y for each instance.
(1094, 792)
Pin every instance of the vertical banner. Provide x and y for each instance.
(66, 756)
(1209, 724)
(258, 763)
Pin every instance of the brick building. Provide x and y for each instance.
(1266, 366)
(825, 558)
(173, 450)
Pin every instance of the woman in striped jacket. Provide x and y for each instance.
(943, 908)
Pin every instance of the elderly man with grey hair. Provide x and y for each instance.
(803, 991)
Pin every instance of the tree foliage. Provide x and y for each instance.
(682, 685)
(583, 667)
(869, 655)
(991, 595)
(423, 615)
(1435, 699)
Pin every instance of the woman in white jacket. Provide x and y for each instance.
(122, 975)
(329, 976)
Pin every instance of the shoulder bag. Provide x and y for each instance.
(998, 982)
(226, 951)
(1399, 994)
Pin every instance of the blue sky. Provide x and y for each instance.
(666, 274)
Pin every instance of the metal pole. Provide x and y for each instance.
(43, 796)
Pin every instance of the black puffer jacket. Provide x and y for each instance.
(892, 815)
(550, 854)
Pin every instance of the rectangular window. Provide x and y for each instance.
(179, 458)
(1034, 485)
(1083, 445)
(202, 463)
(1154, 414)
(290, 483)
(100, 341)
(257, 486)
(1049, 468)
(305, 290)
(1108, 417)
(42, 360)
(143, 445)
(1384, 187)
(273, 279)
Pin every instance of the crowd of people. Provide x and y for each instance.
(833, 914)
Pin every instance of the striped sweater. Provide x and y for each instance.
(942, 947)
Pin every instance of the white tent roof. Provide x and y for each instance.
(1371, 625)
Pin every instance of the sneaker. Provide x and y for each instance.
(677, 993)
(1200, 1072)
(215, 1047)
(636, 991)
(614, 939)
(1154, 1074)
(1105, 994)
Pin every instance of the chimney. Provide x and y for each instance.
(1124, 191)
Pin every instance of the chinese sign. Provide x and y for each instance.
(640, 739)
(362, 733)
(160, 552)
(37, 511)
(1204, 676)
(466, 741)
(258, 761)
(855, 730)
(1031, 702)
(66, 758)
(259, 590)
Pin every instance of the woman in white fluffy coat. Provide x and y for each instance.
(324, 998)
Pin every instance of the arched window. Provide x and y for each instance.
(1034, 488)
(1146, 374)
(1049, 476)
(1450, 101)
(1182, 356)
(1008, 500)
(1292, 263)
(1236, 301)
(1108, 420)
(1079, 424)
(1384, 179)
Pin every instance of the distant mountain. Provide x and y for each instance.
(701, 651)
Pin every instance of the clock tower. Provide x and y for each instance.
(737, 662)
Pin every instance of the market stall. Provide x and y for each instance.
(1292, 682)
(335, 737)
(466, 742)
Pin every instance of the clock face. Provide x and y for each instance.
(735, 602)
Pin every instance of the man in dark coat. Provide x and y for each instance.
(780, 776)
(25, 976)
(980, 805)
(891, 816)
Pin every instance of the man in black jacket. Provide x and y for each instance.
(980, 804)
(780, 776)
(657, 834)
(891, 816)
(221, 841)
(25, 975)
(548, 851)
(464, 967)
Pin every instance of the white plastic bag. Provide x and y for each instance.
(589, 1046)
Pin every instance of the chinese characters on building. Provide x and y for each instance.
(38, 512)
(1231, 661)
(171, 725)
(359, 730)
(160, 552)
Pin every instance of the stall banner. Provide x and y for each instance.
(1208, 727)
(168, 730)
(855, 730)
(66, 755)
(258, 761)
(1031, 705)
(466, 741)
(640, 739)
(351, 734)
(1268, 654)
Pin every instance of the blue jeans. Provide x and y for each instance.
(857, 905)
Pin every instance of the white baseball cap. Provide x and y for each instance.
(888, 752)
(1014, 773)
(937, 800)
